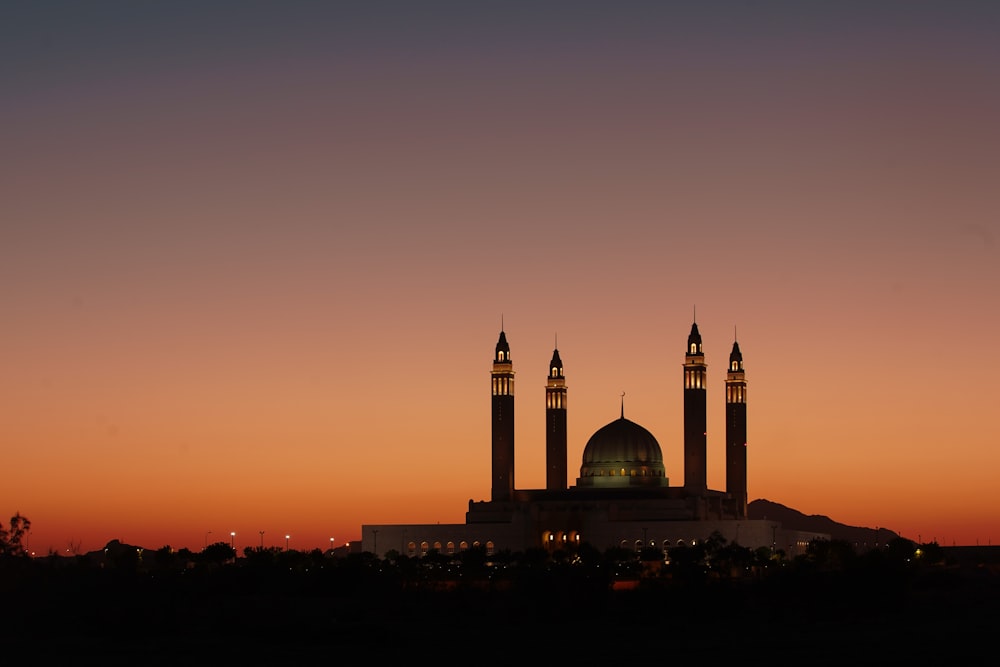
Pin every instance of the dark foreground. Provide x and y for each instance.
(99, 617)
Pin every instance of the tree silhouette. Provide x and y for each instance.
(218, 553)
(10, 540)
(164, 558)
(830, 554)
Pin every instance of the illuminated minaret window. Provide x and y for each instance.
(555, 426)
(502, 377)
(695, 415)
(736, 431)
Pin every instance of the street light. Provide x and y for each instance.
(232, 540)
(286, 542)
(261, 539)
(331, 545)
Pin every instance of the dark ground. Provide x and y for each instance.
(947, 616)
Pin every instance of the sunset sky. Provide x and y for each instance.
(255, 256)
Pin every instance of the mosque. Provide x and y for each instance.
(622, 497)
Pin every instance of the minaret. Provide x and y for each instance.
(736, 431)
(503, 422)
(695, 415)
(555, 426)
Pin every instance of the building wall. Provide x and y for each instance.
(522, 533)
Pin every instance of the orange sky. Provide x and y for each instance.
(254, 260)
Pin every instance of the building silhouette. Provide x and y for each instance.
(622, 496)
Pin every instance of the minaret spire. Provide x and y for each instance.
(695, 415)
(736, 431)
(503, 420)
(555, 425)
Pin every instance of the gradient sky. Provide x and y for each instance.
(254, 256)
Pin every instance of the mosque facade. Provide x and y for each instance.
(622, 497)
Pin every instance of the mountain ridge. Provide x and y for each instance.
(859, 536)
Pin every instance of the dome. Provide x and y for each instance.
(622, 453)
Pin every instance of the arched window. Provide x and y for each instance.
(450, 547)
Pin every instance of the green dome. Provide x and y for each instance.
(622, 453)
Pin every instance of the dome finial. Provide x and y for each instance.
(623, 405)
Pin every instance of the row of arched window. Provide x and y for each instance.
(552, 538)
(503, 386)
(555, 400)
(621, 472)
(694, 378)
(449, 548)
(736, 393)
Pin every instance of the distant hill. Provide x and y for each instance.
(795, 520)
